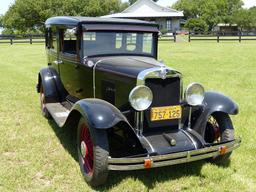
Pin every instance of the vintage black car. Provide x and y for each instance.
(129, 110)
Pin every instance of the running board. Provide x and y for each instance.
(58, 112)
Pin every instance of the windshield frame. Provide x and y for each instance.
(154, 44)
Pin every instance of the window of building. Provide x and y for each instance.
(169, 24)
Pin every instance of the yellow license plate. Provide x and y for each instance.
(165, 113)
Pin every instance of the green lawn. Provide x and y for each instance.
(36, 156)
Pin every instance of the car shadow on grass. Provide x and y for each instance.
(66, 136)
(149, 177)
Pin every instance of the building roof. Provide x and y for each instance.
(226, 25)
(146, 9)
(69, 20)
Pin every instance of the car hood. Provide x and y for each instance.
(126, 65)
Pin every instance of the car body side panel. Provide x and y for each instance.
(214, 102)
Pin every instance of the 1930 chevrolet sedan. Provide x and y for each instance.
(129, 110)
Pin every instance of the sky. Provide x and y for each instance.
(4, 4)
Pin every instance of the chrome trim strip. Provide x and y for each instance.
(137, 120)
(141, 122)
(171, 159)
(145, 141)
(155, 72)
(94, 78)
(193, 141)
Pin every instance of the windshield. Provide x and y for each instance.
(118, 43)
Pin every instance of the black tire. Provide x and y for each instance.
(98, 173)
(222, 123)
(44, 110)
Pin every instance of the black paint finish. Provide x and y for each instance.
(99, 113)
(214, 102)
(69, 79)
(53, 89)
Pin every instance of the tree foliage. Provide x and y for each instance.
(211, 11)
(197, 25)
(245, 18)
(30, 15)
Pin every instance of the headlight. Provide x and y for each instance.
(140, 97)
(194, 94)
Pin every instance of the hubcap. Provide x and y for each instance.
(84, 150)
(42, 100)
(213, 131)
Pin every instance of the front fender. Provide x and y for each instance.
(214, 102)
(99, 113)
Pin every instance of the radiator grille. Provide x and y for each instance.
(166, 92)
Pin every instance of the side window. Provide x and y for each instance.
(53, 39)
(47, 37)
(68, 41)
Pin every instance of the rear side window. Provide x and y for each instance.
(51, 38)
(68, 41)
(53, 41)
(47, 37)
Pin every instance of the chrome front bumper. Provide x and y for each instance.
(134, 163)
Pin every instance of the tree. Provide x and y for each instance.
(253, 16)
(1, 20)
(245, 18)
(197, 25)
(30, 15)
(211, 11)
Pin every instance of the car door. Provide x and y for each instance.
(69, 62)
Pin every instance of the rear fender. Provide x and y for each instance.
(214, 102)
(54, 91)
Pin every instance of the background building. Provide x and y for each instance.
(168, 19)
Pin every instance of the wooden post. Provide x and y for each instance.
(174, 36)
(218, 37)
(189, 37)
(240, 36)
(30, 38)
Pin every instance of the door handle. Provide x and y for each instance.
(57, 62)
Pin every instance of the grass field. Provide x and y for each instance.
(35, 155)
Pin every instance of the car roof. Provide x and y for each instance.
(73, 20)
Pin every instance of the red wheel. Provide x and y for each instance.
(44, 110)
(219, 129)
(92, 148)
(86, 149)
